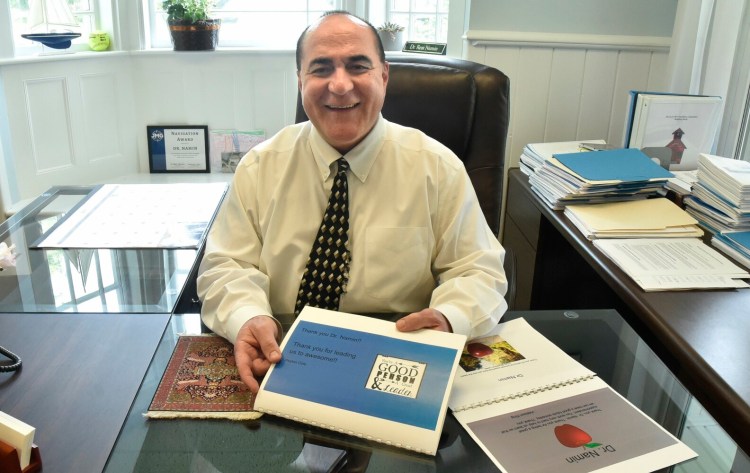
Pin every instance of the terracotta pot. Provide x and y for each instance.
(201, 36)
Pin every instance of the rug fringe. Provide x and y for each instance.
(245, 415)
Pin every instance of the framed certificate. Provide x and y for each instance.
(177, 148)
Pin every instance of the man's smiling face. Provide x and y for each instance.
(342, 80)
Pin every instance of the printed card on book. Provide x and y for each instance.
(531, 407)
(361, 376)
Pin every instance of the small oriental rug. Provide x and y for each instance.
(201, 382)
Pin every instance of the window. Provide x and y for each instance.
(277, 24)
(424, 20)
(251, 23)
(84, 13)
(743, 144)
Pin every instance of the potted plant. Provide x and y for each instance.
(391, 35)
(191, 25)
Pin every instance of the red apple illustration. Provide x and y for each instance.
(478, 349)
(573, 437)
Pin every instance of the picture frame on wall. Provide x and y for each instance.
(178, 148)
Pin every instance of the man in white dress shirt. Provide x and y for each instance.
(419, 242)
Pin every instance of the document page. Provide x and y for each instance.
(511, 361)
(139, 216)
(577, 428)
(672, 264)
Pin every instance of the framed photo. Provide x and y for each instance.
(178, 148)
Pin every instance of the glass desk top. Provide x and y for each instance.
(599, 339)
(86, 280)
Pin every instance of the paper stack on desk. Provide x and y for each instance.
(647, 218)
(596, 177)
(534, 155)
(721, 198)
(669, 264)
(735, 244)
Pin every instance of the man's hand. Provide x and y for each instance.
(426, 318)
(255, 349)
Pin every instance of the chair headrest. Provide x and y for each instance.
(437, 99)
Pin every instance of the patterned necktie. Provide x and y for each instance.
(327, 271)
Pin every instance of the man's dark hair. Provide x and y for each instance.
(378, 42)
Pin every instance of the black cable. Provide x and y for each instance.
(16, 361)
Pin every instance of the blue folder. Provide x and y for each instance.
(738, 240)
(626, 164)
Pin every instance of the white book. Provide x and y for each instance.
(675, 128)
(531, 407)
(361, 376)
(18, 435)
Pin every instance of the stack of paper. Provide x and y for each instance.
(735, 244)
(721, 197)
(595, 177)
(535, 154)
(668, 264)
(683, 181)
(648, 218)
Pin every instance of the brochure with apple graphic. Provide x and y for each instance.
(361, 376)
(531, 407)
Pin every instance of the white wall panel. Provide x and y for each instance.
(100, 116)
(273, 99)
(565, 92)
(49, 125)
(531, 99)
(219, 89)
(224, 90)
(70, 122)
(597, 91)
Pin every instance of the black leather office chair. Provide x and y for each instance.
(465, 106)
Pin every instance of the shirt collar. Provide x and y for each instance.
(360, 158)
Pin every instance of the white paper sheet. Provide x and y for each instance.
(673, 264)
(139, 216)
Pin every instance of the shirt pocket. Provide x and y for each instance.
(396, 261)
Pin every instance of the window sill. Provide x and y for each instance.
(219, 51)
(79, 55)
(72, 56)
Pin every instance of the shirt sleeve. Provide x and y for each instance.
(468, 264)
(230, 284)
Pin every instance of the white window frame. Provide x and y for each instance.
(29, 48)
(127, 24)
(379, 12)
(374, 10)
(734, 138)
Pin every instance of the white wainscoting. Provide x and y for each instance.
(244, 91)
(82, 119)
(69, 122)
(568, 87)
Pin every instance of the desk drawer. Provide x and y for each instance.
(522, 210)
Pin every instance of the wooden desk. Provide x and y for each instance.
(76, 367)
(700, 335)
